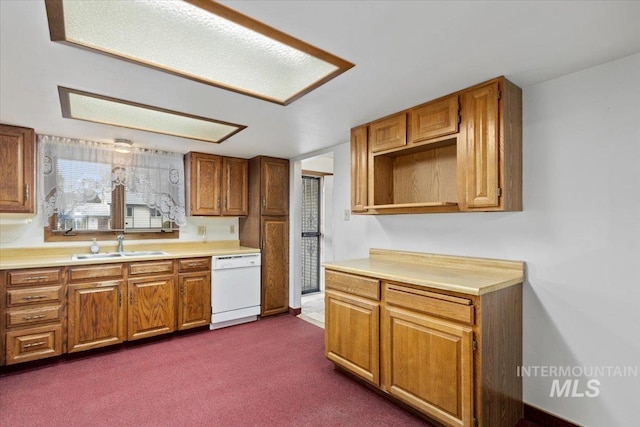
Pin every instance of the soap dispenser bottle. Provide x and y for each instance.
(95, 248)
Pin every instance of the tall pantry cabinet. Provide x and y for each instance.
(267, 227)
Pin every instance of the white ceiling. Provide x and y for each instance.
(406, 52)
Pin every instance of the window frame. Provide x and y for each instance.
(118, 217)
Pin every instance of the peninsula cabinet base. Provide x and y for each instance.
(440, 334)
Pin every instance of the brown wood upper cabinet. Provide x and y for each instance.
(274, 186)
(434, 119)
(490, 148)
(459, 153)
(389, 132)
(235, 186)
(217, 185)
(359, 169)
(17, 176)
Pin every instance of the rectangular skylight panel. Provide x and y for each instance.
(205, 43)
(99, 109)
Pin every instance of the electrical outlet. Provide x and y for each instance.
(347, 214)
(202, 231)
(232, 229)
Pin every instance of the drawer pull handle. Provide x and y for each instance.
(35, 278)
(34, 344)
(41, 316)
(29, 297)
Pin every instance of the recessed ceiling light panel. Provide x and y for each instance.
(198, 39)
(117, 112)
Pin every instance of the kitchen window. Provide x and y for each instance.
(89, 190)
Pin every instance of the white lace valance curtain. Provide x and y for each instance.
(154, 177)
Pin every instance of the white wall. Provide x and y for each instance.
(579, 235)
(32, 234)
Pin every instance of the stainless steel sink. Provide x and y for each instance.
(143, 253)
(77, 257)
(107, 255)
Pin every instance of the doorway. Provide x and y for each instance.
(311, 196)
(315, 198)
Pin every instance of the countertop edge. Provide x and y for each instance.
(65, 260)
(476, 291)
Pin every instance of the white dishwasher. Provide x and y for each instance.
(235, 289)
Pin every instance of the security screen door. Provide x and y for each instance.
(310, 234)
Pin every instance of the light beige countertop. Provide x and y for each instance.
(472, 276)
(62, 256)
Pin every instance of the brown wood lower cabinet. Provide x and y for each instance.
(352, 340)
(194, 293)
(95, 315)
(450, 356)
(151, 307)
(352, 312)
(46, 312)
(275, 265)
(429, 364)
(33, 321)
(95, 306)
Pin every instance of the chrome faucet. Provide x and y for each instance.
(120, 240)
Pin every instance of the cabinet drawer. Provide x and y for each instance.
(351, 284)
(151, 267)
(34, 277)
(91, 272)
(34, 295)
(33, 344)
(440, 305)
(194, 264)
(34, 315)
(434, 119)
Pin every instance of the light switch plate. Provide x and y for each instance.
(347, 214)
